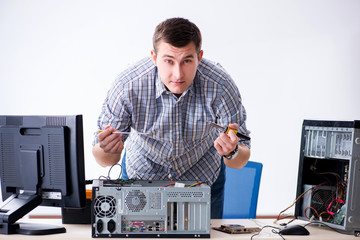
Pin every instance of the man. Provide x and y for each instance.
(166, 101)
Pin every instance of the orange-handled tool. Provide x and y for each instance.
(227, 129)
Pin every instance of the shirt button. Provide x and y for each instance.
(177, 124)
(177, 144)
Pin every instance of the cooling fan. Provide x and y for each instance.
(321, 198)
(135, 200)
(105, 206)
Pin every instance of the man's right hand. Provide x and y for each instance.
(107, 151)
(110, 143)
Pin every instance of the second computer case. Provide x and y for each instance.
(328, 188)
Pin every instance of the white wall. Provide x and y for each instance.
(292, 60)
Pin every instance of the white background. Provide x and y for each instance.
(292, 60)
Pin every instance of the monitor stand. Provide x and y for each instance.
(39, 229)
(17, 206)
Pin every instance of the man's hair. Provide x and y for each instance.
(178, 32)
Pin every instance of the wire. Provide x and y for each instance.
(196, 184)
(296, 200)
(273, 231)
(108, 175)
(168, 185)
(326, 225)
(193, 185)
(335, 200)
(317, 214)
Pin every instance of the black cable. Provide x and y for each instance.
(332, 228)
(88, 182)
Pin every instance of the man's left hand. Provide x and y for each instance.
(226, 143)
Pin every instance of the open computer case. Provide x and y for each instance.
(328, 187)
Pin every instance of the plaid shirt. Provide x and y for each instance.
(178, 140)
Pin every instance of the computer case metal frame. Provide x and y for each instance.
(351, 222)
(151, 209)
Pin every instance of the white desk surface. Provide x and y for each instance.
(82, 231)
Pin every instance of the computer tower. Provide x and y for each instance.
(328, 187)
(150, 209)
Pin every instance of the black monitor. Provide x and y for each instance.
(41, 163)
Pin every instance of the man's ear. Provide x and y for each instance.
(153, 56)
(200, 55)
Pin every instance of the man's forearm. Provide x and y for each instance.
(105, 159)
(241, 159)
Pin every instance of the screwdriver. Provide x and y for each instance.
(227, 129)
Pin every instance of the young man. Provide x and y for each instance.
(166, 101)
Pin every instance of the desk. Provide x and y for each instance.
(83, 232)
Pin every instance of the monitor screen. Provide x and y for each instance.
(41, 163)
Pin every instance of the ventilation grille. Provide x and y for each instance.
(105, 206)
(56, 159)
(321, 199)
(135, 200)
(155, 200)
(7, 154)
(56, 121)
(185, 194)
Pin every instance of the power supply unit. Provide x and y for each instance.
(157, 209)
(329, 167)
(317, 200)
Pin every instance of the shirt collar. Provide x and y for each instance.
(159, 86)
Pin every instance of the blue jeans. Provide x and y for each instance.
(217, 194)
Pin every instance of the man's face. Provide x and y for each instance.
(176, 66)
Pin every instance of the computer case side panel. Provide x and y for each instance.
(299, 189)
(353, 193)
